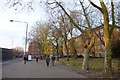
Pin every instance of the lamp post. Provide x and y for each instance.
(25, 34)
(12, 41)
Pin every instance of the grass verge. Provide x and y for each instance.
(96, 67)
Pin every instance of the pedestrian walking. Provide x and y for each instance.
(36, 59)
(41, 57)
(25, 59)
(53, 60)
(47, 61)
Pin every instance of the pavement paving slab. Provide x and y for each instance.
(32, 69)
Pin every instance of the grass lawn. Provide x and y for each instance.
(95, 64)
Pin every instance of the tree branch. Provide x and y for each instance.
(95, 6)
(87, 21)
(73, 22)
(113, 18)
(100, 38)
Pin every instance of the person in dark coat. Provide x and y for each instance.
(36, 59)
(41, 57)
(47, 61)
(53, 60)
(25, 59)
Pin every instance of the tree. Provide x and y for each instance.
(57, 39)
(72, 49)
(61, 24)
(18, 51)
(107, 32)
(117, 13)
(73, 31)
(86, 30)
(40, 34)
(88, 33)
(90, 39)
(65, 31)
(46, 47)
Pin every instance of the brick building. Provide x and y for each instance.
(98, 49)
(33, 48)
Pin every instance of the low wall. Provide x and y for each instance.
(6, 54)
(0, 55)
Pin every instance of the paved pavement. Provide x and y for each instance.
(16, 69)
(0, 70)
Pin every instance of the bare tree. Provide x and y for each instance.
(107, 32)
(117, 13)
(90, 39)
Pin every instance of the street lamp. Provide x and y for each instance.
(12, 41)
(26, 32)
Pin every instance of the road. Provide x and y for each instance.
(16, 69)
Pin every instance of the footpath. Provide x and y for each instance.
(32, 69)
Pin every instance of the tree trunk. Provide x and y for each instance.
(57, 50)
(108, 58)
(108, 52)
(57, 55)
(86, 60)
(88, 47)
(67, 52)
(75, 54)
(67, 55)
(107, 39)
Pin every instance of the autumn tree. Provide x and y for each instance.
(107, 31)
(40, 34)
(87, 31)
(61, 25)
(57, 39)
(63, 31)
(65, 34)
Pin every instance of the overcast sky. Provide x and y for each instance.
(12, 34)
